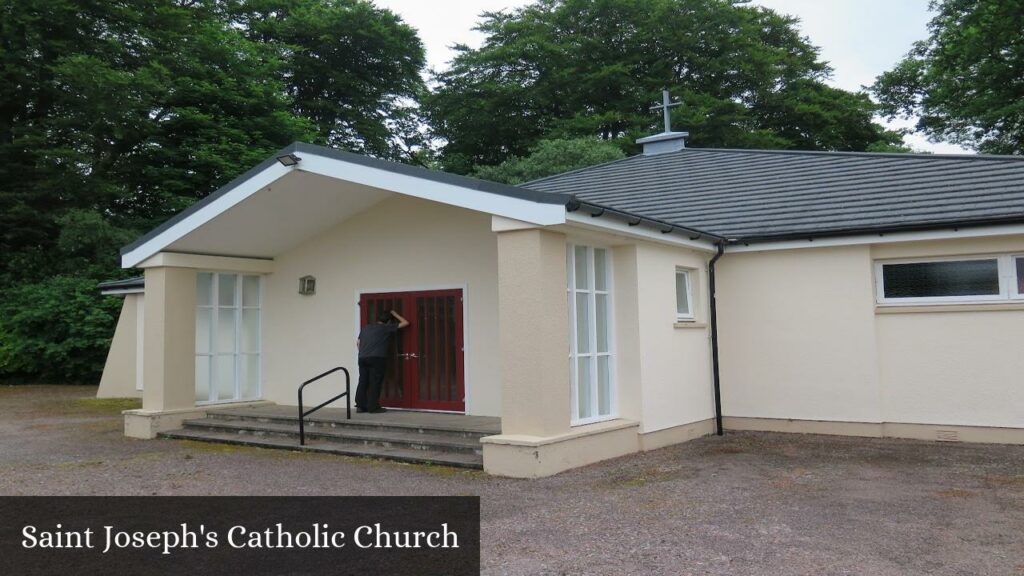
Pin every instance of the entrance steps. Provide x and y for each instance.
(414, 437)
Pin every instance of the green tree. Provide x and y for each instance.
(965, 83)
(551, 157)
(351, 68)
(131, 110)
(115, 115)
(592, 68)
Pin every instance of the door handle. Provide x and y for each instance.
(409, 356)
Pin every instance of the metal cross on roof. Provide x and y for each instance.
(666, 103)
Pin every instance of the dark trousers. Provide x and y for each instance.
(371, 377)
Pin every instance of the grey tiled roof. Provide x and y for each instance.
(757, 194)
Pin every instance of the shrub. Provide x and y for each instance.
(55, 330)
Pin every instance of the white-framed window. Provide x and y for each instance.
(228, 336)
(591, 355)
(950, 280)
(1018, 279)
(684, 295)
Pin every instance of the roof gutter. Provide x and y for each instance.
(714, 337)
(597, 210)
(812, 235)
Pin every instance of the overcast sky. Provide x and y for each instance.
(859, 38)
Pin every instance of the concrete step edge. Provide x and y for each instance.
(443, 442)
(413, 457)
(438, 428)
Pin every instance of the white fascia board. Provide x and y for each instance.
(496, 204)
(180, 229)
(885, 238)
(444, 193)
(614, 226)
(121, 291)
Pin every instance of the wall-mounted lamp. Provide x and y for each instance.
(288, 160)
(307, 285)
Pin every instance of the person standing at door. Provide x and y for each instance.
(373, 350)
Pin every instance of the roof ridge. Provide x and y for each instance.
(591, 167)
(825, 153)
(864, 154)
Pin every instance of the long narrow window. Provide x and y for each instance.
(950, 280)
(227, 337)
(591, 358)
(684, 295)
(1019, 273)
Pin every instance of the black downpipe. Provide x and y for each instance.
(714, 338)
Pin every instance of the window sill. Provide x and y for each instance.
(931, 308)
(689, 324)
(593, 420)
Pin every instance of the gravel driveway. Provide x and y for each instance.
(746, 503)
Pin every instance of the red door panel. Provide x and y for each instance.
(425, 361)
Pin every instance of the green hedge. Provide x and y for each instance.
(56, 330)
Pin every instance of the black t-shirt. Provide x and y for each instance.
(373, 340)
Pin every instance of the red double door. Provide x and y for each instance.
(425, 359)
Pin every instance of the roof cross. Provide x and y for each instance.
(666, 104)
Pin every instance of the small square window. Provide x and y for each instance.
(307, 285)
(684, 295)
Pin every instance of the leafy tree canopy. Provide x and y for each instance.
(965, 83)
(349, 67)
(551, 157)
(592, 68)
(115, 115)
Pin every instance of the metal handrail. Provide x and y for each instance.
(346, 394)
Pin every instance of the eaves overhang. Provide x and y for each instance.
(355, 170)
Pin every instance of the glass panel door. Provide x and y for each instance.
(590, 351)
(228, 337)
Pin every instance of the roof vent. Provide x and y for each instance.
(667, 141)
(664, 142)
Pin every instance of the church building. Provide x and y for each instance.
(614, 309)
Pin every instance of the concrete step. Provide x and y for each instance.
(385, 438)
(316, 421)
(410, 455)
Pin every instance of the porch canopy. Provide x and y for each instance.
(275, 207)
(304, 191)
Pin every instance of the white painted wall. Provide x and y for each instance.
(797, 336)
(120, 376)
(400, 244)
(802, 338)
(953, 368)
(675, 363)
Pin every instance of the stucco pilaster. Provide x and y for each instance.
(169, 339)
(534, 335)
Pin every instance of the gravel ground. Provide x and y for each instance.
(745, 503)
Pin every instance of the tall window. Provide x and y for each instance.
(590, 350)
(684, 295)
(950, 280)
(1019, 269)
(227, 337)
